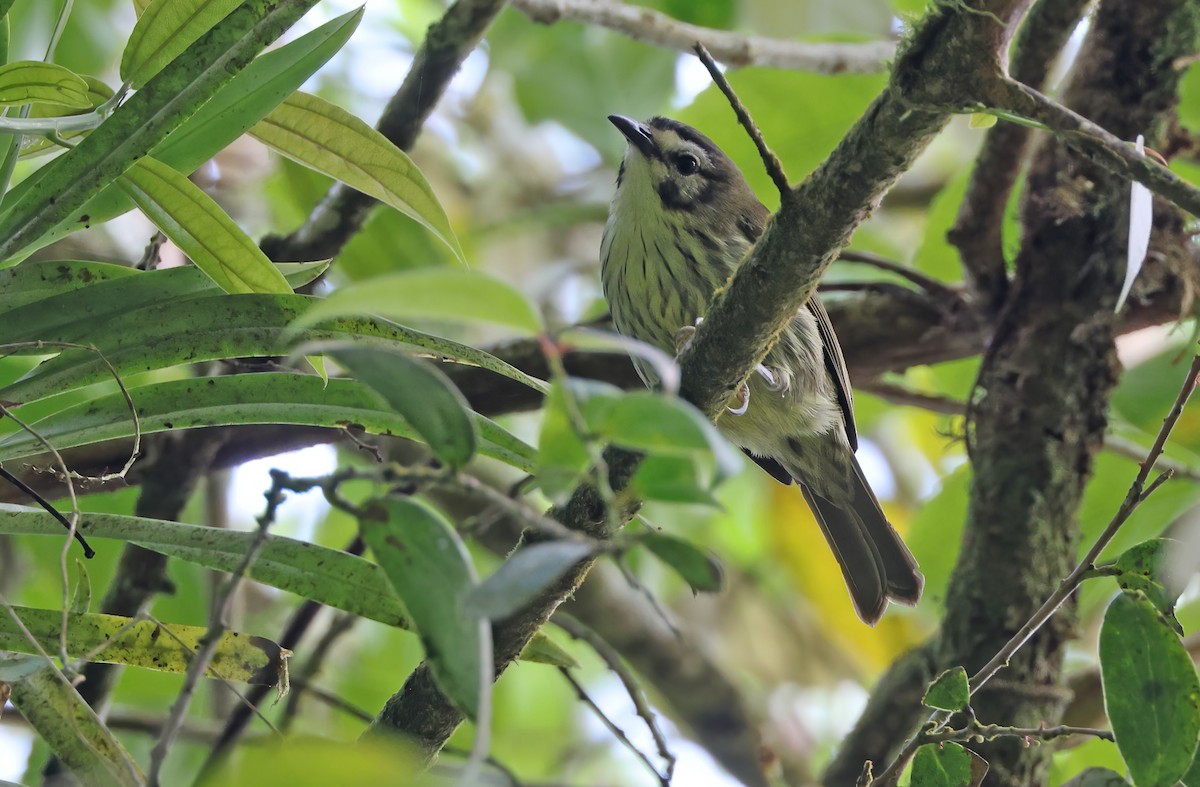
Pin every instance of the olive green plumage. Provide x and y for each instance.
(681, 221)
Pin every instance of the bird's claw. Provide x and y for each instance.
(742, 397)
(683, 336)
(774, 380)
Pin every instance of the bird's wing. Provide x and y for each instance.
(835, 364)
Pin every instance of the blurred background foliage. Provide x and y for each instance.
(520, 154)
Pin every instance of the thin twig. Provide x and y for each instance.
(986, 732)
(340, 625)
(613, 661)
(1139, 490)
(612, 727)
(899, 394)
(927, 283)
(1131, 450)
(738, 49)
(772, 163)
(212, 637)
(331, 699)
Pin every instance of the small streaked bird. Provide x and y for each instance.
(681, 221)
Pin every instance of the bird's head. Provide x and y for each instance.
(670, 166)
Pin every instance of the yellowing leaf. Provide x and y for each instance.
(330, 140)
(198, 226)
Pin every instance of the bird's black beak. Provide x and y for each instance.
(637, 133)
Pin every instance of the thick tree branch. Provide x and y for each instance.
(815, 221)
(977, 231)
(1043, 392)
(734, 49)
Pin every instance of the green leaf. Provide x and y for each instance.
(1151, 692)
(450, 294)
(73, 731)
(698, 567)
(1145, 567)
(330, 576)
(673, 479)
(562, 455)
(525, 574)
(420, 393)
(232, 110)
(200, 228)
(328, 139)
(428, 565)
(267, 398)
(58, 190)
(164, 30)
(646, 421)
(946, 765)
(114, 639)
(35, 281)
(159, 332)
(948, 691)
(29, 81)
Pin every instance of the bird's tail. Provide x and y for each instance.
(876, 564)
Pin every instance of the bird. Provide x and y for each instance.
(682, 219)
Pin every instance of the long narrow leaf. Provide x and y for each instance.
(163, 30)
(64, 185)
(234, 108)
(327, 138)
(200, 228)
(113, 639)
(329, 576)
(276, 398)
(73, 731)
(139, 338)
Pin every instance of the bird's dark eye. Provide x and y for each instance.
(687, 164)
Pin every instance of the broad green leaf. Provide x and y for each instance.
(428, 565)
(426, 399)
(673, 479)
(113, 639)
(164, 29)
(525, 574)
(1145, 567)
(58, 190)
(698, 567)
(73, 731)
(30, 81)
(98, 93)
(234, 108)
(330, 140)
(946, 765)
(267, 398)
(330, 576)
(1151, 692)
(167, 332)
(646, 421)
(562, 455)
(200, 228)
(450, 294)
(949, 691)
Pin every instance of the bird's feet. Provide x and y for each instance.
(739, 403)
